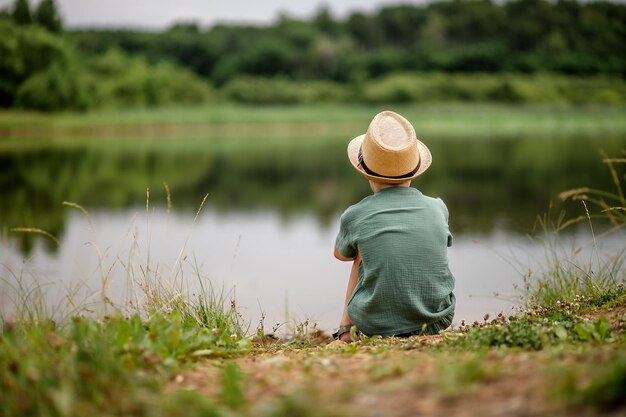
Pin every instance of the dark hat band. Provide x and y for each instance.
(370, 172)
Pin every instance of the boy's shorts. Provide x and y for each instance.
(432, 328)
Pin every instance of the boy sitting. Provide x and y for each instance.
(397, 238)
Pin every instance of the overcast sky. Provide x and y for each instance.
(160, 13)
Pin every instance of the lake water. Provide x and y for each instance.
(281, 268)
(265, 233)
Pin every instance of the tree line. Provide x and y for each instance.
(45, 14)
(445, 50)
(41, 68)
(524, 36)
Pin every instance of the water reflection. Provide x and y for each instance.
(281, 268)
(267, 229)
(488, 183)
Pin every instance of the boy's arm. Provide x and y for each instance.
(345, 318)
(339, 256)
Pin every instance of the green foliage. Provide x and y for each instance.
(414, 87)
(598, 384)
(302, 403)
(517, 36)
(506, 88)
(185, 402)
(232, 390)
(607, 389)
(261, 91)
(42, 72)
(255, 90)
(125, 81)
(568, 276)
(21, 12)
(57, 88)
(89, 367)
(597, 331)
(463, 374)
(47, 16)
(27, 51)
(207, 310)
(398, 54)
(611, 204)
(537, 328)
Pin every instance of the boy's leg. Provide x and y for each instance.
(354, 276)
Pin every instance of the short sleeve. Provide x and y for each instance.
(345, 245)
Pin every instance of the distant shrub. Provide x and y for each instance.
(47, 15)
(26, 51)
(416, 87)
(603, 90)
(167, 83)
(40, 70)
(400, 88)
(322, 92)
(259, 90)
(132, 81)
(56, 88)
(411, 87)
(507, 88)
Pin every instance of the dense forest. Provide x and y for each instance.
(516, 51)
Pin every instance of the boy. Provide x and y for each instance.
(397, 238)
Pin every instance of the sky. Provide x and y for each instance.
(158, 14)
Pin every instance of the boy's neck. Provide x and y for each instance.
(377, 186)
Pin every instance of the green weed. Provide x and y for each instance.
(536, 328)
(568, 275)
(462, 375)
(88, 366)
(597, 382)
(100, 358)
(607, 389)
(301, 404)
(187, 403)
(597, 331)
(232, 390)
(295, 332)
(612, 204)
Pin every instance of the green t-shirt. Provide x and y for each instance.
(404, 280)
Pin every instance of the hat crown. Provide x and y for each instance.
(390, 145)
(391, 131)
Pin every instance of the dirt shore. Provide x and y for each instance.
(413, 377)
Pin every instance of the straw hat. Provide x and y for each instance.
(389, 152)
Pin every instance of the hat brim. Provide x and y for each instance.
(353, 154)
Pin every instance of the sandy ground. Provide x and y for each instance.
(411, 377)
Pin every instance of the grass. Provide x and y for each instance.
(170, 353)
(557, 296)
(90, 366)
(540, 327)
(239, 121)
(583, 270)
(607, 388)
(167, 365)
(100, 358)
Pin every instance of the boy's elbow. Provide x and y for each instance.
(339, 256)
